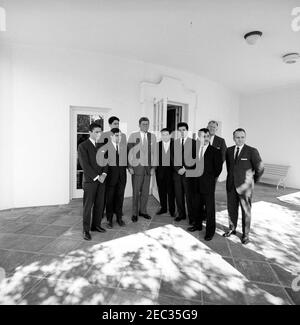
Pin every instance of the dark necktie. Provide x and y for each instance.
(236, 155)
(182, 152)
(117, 155)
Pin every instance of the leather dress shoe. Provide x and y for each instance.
(161, 211)
(134, 218)
(245, 240)
(145, 215)
(109, 224)
(208, 238)
(229, 233)
(87, 235)
(98, 228)
(172, 214)
(193, 228)
(120, 222)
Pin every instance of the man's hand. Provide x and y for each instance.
(102, 178)
(181, 171)
(131, 171)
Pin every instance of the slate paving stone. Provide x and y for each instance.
(13, 288)
(54, 230)
(60, 246)
(267, 295)
(47, 292)
(256, 271)
(294, 295)
(10, 260)
(30, 243)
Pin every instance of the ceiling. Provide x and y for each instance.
(204, 37)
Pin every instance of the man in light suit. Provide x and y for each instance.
(93, 184)
(141, 160)
(216, 141)
(183, 162)
(244, 168)
(164, 173)
(208, 168)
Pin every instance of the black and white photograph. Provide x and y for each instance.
(149, 155)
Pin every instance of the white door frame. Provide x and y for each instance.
(74, 111)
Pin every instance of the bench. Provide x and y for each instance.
(275, 174)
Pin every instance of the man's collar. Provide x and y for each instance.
(93, 141)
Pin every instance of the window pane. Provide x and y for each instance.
(81, 138)
(83, 122)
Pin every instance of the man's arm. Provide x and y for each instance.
(223, 150)
(84, 162)
(218, 162)
(257, 164)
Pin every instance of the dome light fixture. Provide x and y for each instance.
(252, 37)
(290, 58)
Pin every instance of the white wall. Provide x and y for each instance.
(6, 127)
(272, 121)
(48, 81)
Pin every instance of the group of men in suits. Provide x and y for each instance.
(186, 172)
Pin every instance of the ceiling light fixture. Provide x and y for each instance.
(291, 58)
(252, 37)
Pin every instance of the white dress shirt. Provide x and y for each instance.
(166, 145)
(235, 149)
(211, 139)
(203, 150)
(143, 136)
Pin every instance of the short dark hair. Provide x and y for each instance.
(165, 130)
(181, 124)
(239, 130)
(115, 130)
(213, 121)
(94, 126)
(112, 119)
(143, 119)
(205, 130)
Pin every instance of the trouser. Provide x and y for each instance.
(166, 193)
(93, 204)
(234, 200)
(140, 195)
(205, 207)
(184, 193)
(114, 200)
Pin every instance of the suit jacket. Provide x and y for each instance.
(189, 154)
(141, 157)
(220, 144)
(212, 169)
(164, 159)
(246, 171)
(87, 153)
(117, 173)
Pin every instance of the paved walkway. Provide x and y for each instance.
(150, 262)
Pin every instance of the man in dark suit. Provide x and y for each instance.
(244, 168)
(93, 184)
(105, 138)
(141, 150)
(215, 140)
(116, 177)
(208, 168)
(164, 173)
(183, 161)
